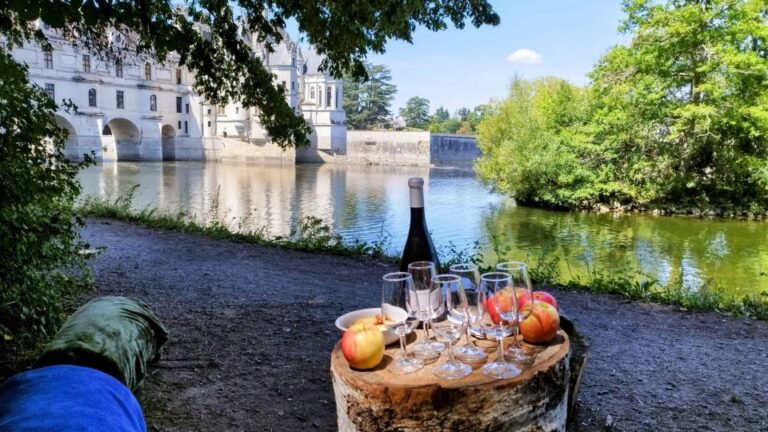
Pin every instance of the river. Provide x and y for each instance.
(370, 203)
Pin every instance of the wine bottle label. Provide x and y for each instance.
(416, 185)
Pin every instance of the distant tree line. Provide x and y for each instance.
(677, 117)
(368, 106)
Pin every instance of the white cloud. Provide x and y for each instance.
(525, 56)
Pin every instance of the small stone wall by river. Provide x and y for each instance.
(409, 148)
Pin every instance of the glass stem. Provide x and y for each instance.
(426, 328)
(402, 346)
(517, 333)
(501, 345)
(468, 325)
(450, 352)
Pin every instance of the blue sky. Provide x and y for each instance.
(465, 68)
(457, 68)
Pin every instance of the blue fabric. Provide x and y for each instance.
(68, 399)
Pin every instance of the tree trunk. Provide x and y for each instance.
(377, 400)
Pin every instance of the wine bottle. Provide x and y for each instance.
(418, 245)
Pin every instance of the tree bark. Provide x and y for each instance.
(377, 400)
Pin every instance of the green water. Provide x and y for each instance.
(728, 253)
(370, 203)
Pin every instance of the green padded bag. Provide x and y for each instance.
(116, 335)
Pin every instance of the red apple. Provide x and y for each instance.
(543, 296)
(542, 323)
(522, 297)
(363, 346)
(488, 305)
(504, 302)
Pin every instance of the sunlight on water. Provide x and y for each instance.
(371, 202)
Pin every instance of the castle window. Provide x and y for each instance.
(312, 93)
(147, 71)
(178, 76)
(178, 104)
(120, 99)
(179, 124)
(337, 97)
(153, 103)
(237, 110)
(186, 128)
(328, 97)
(48, 57)
(92, 97)
(50, 90)
(119, 69)
(86, 63)
(221, 110)
(186, 108)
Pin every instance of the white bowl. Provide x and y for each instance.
(345, 321)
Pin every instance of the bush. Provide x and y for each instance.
(535, 146)
(39, 229)
(678, 116)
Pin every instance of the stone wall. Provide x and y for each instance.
(188, 149)
(237, 150)
(388, 147)
(362, 147)
(447, 149)
(409, 148)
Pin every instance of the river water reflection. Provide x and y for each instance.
(371, 202)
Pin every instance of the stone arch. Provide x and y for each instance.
(169, 142)
(72, 145)
(127, 137)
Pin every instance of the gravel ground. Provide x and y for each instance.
(252, 328)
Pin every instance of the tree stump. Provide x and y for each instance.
(378, 400)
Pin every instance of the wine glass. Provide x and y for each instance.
(521, 287)
(400, 317)
(500, 299)
(449, 326)
(429, 306)
(470, 281)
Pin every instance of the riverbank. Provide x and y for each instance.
(252, 326)
(371, 204)
(312, 235)
(671, 210)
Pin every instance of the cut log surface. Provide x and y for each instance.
(378, 400)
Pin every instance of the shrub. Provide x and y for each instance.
(39, 229)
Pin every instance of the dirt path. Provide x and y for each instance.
(252, 328)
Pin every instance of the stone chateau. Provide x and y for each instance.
(147, 111)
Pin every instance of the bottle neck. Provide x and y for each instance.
(417, 198)
(417, 216)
